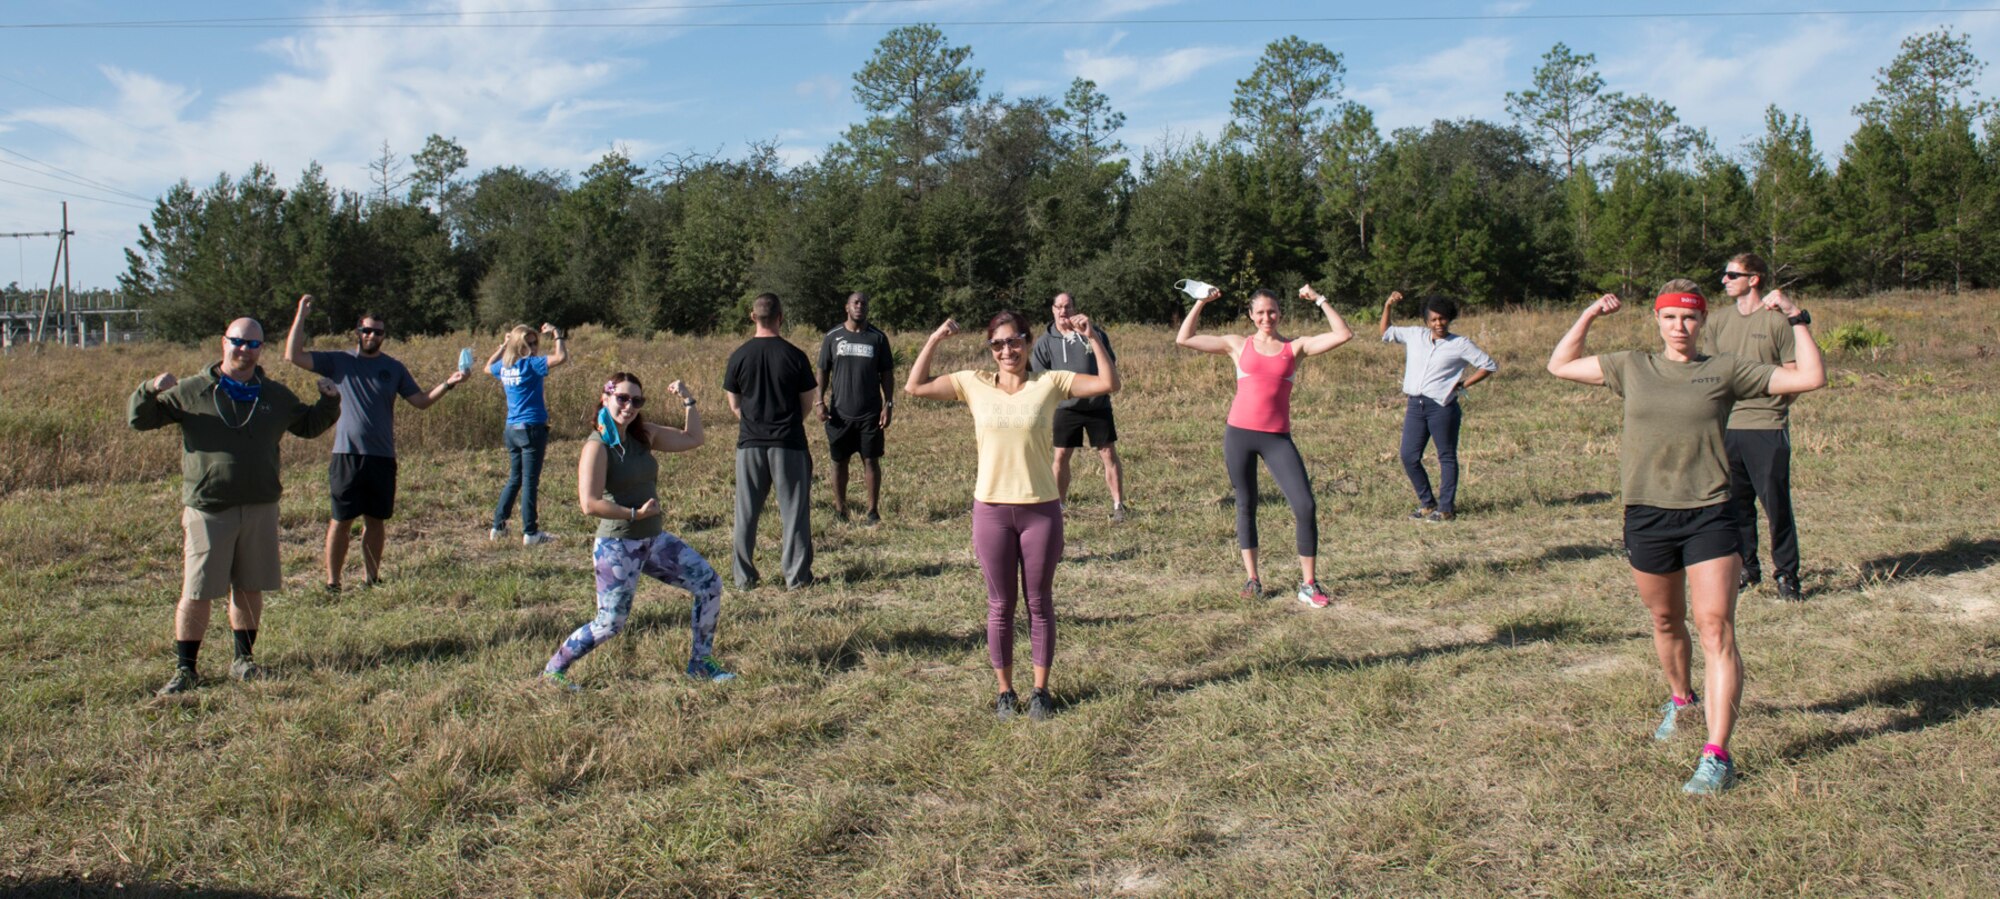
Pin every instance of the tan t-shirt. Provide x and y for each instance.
(1762, 336)
(1671, 455)
(1016, 434)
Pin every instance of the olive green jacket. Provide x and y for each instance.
(229, 449)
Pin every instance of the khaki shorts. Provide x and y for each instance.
(232, 548)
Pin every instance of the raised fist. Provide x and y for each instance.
(165, 381)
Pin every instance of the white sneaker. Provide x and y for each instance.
(537, 537)
(496, 533)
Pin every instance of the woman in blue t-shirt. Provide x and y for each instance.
(521, 370)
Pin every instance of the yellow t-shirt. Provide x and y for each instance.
(1016, 434)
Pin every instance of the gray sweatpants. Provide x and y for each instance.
(757, 470)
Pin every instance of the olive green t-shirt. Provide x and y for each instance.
(1762, 336)
(1671, 455)
(631, 477)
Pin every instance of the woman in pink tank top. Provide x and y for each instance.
(1260, 424)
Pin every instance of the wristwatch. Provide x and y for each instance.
(1803, 318)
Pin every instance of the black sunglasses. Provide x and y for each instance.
(626, 399)
(1731, 276)
(1000, 343)
(369, 332)
(245, 343)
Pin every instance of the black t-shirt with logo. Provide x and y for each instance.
(854, 363)
(768, 375)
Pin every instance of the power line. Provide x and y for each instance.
(73, 196)
(73, 178)
(347, 17)
(70, 181)
(352, 21)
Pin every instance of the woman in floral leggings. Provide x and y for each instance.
(617, 480)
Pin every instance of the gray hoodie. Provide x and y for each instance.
(1055, 351)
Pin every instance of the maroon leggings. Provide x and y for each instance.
(1012, 541)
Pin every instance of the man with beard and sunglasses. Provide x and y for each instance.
(1759, 437)
(361, 477)
(231, 418)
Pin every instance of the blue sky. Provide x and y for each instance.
(131, 109)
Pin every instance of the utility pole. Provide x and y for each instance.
(61, 264)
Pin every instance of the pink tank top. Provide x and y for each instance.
(1263, 390)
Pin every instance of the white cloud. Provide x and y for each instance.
(1120, 76)
(1459, 81)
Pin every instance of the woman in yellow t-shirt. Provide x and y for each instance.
(1680, 532)
(1017, 524)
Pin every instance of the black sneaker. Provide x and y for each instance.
(1751, 577)
(874, 518)
(1004, 706)
(1788, 589)
(840, 514)
(1040, 705)
(246, 668)
(184, 679)
(331, 589)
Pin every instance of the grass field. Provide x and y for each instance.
(1471, 717)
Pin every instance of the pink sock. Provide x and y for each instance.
(1721, 754)
(1683, 700)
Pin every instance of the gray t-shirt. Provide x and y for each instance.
(368, 390)
(1056, 351)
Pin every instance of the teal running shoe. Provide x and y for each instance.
(560, 681)
(708, 669)
(1712, 776)
(1667, 712)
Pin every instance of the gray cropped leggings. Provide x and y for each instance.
(1240, 451)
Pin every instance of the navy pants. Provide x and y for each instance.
(1425, 421)
(526, 445)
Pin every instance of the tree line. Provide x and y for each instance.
(948, 199)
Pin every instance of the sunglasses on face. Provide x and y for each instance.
(370, 332)
(246, 343)
(627, 399)
(1731, 276)
(1001, 343)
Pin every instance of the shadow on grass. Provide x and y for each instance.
(850, 653)
(1914, 703)
(1445, 569)
(77, 888)
(864, 572)
(1957, 556)
(1509, 635)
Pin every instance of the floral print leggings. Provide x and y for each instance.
(619, 563)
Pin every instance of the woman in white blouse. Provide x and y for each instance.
(1434, 377)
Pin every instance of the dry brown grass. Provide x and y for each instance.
(1471, 718)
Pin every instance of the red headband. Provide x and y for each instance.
(1681, 301)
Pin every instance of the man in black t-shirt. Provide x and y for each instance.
(770, 385)
(856, 383)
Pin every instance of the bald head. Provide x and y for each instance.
(239, 358)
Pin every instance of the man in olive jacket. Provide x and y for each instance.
(231, 418)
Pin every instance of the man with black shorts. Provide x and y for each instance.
(361, 477)
(231, 419)
(857, 373)
(1759, 437)
(1063, 348)
(770, 386)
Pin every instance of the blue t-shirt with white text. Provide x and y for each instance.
(523, 382)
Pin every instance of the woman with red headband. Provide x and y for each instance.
(1673, 472)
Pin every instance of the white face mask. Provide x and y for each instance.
(1195, 289)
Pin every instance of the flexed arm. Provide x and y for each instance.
(1568, 361)
(1395, 296)
(1808, 372)
(1202, 342)
(1337, 331)
(295, 342)
(1106, 380)
(920, 383)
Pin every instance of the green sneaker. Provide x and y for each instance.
(1711, 776)
(1667, 712)
(246, 668)
(560, 681)
(708, 669)
(184, 679)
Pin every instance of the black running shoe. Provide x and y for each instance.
(1040, 705)
(184, 679)
(1751, 577)
(1004, 706)
(1788, 589)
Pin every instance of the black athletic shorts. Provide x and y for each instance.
(362, 485)
(1664, 541)
(847, 436)
(1073, 424)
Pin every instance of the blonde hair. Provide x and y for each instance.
(515, 345)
